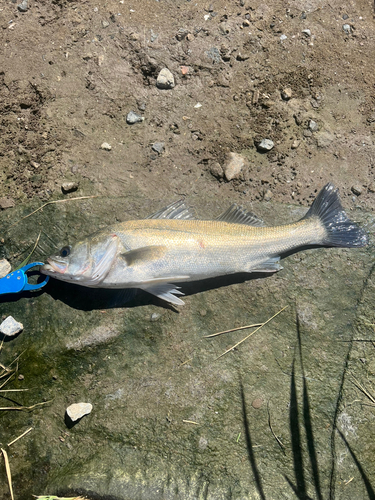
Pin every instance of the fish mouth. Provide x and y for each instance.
(52, 267)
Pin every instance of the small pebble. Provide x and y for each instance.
(106, 146)
(216, 170)
(307, 133)
(267, 195)
(356, 189)
(155, 316)
(165, 79)
(257, 403)
(347, 28)
(295, 144)
(132, 117)
(371, 187)
(7, 203)
(265, 145)
(69, 187)
(78, 410)
(286, 94)
(233, 165)
(21, 377)
(10, 327)
(105, 24)
(23, 6)
(345, 17)
(5, 268)
(313, 126)
(158, 147)
(141, 105)
(306, 32)
(283, 37)
(324, 139)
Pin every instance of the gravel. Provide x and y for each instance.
(78, 410)
(265, 145)
(165, 79)
(233, 166)
(347, 28)
(69, 187)
(356, 189)
(23, 6)
(286, 94)
(106, 146)
(10, 327)
(158, 147)
(306, 32)
(132, 118)
(313, 126)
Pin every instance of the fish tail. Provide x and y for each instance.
(340, 230)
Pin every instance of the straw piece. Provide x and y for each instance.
(190, 422)
(9, 475)
(21, 436)
(51, 203)
(252, 333)
(232, 330)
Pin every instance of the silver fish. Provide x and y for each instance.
(171, 247)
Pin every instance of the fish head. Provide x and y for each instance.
(86, 262)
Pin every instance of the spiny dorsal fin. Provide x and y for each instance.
(176, 210)
(237, 215)
(152, 252)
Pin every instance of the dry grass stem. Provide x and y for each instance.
(53, 497)
(190, 422)
(51, 203)
(184, 363)
(19, 408)
(9, 475)
(279, 442)
(21, 436)
(363, 390)
(252, 333)
(232, 330)
(23, 263)
(14, 390)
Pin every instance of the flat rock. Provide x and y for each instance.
(265, 145)
(5, 268)
(10, 327)
(324, 139)
(165, 79)
(78, 410)
(233, 165)
(7, 203)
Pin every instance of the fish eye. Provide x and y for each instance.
(65, 251)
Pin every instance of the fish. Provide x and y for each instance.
(171, 246)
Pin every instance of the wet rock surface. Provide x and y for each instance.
(165, 406)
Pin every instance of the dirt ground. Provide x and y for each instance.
(299, 73)
(71, 72)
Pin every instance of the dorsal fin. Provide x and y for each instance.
(176, 210)
(237, 215)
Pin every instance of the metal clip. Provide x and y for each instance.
(16, 281)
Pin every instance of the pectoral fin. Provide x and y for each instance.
(144, 254)
(165, 291)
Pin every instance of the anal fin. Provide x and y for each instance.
(268, 266)
(165, 291)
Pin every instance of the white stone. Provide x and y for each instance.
(78, 410)
(106, 146)
(165, 79)
(5, 268)
(265, 145)
(10, 327)
(233, 165)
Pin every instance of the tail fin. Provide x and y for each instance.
(340, 230)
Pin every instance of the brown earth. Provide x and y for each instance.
(71, 71)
